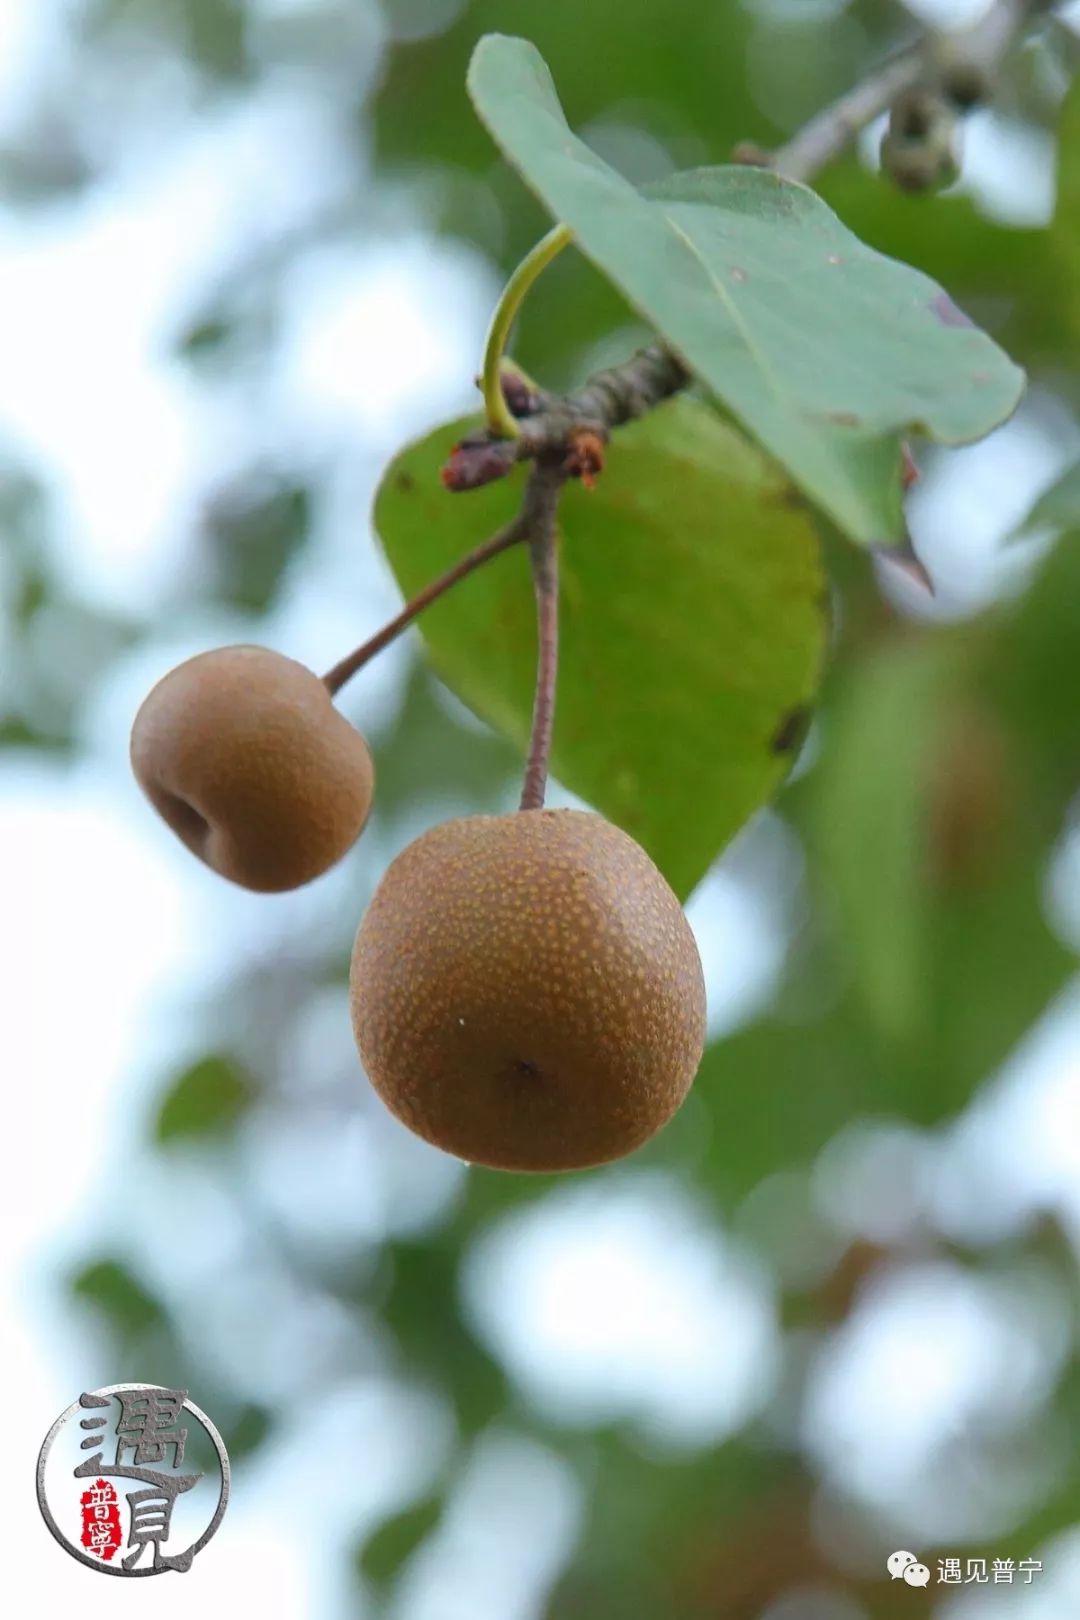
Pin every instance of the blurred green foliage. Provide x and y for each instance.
(113, 1290)
(207, 1099)
(396, 1540)
(254, 533)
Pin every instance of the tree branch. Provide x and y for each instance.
(829, 132)
(557, 424)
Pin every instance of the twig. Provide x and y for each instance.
(832, 130)
(511, 535)
(541, 509)
(980, 48)
(986, 42)
(606, 401)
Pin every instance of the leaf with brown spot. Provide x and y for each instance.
(948, 313)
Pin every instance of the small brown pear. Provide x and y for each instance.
(243, 753)
(526, 991)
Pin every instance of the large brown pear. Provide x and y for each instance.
(526, 991)
(243, 753)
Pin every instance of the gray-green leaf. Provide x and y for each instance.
(826, 350)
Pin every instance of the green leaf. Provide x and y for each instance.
(391, 1546)
(16, 731)
(973, 940)
(693, 624)
(422, 1309)
(207, 1099)
(1065, 230)
(118, 1294)
(206, 337)
(675, 72)
(663, 1516)
(247, 1431)
(255, 533)
(1001, 273)
(776, 1092)
(825, 350)
(683, 70)
(428, 753)
(868, 818)
(1033, 671)
(1005, 725)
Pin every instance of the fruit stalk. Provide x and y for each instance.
(500, 419)
(541, 511)
(513, 533)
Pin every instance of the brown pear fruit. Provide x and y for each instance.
(243, 753)
(526, 991)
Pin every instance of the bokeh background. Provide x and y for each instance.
(247, 248)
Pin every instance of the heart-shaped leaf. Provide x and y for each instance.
(826, 350)
(693, 624)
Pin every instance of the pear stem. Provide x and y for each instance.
(541, 510)
(500, 419)
(511, 535)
